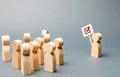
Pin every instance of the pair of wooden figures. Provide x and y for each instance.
(53, 53)
(30, 59)
(25, 55)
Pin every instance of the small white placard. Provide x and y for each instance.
(87, 30)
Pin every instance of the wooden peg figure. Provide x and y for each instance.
(40, 50)
(46, 39)
(16, 54)
(5, 48)
(44, 32)
(26, 60)
(59, 51)
(96, 45)
(26, 37)
(34, 56)
(50, 62)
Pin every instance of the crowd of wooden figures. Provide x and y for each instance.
(29, 55)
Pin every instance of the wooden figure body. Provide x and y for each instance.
(46, 39)
(16, 54)
(40, 50)
(96, 45)
(44, 32)
(50, 62)
(5, 48)
(34, 56)
(26, 37)
(26, 60)
(59, 51)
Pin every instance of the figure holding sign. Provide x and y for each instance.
(94, 40)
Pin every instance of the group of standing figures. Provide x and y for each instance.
(29, 55)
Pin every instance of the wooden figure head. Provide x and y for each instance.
(50, 47)
(5, 40)
(96, 36)
(40, 41)
(16, 45)
(25, 48)
(44, 32)
(34, 46)
(46, 38)
(58, 42)
(26, 37)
